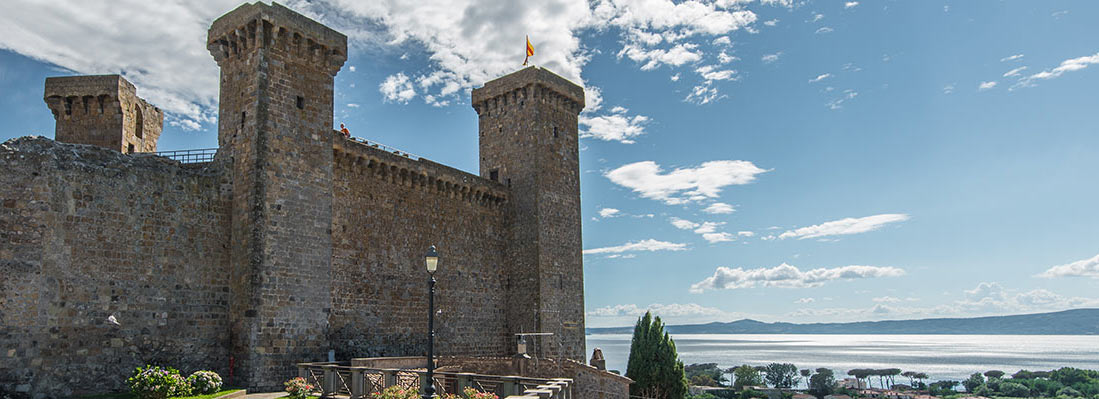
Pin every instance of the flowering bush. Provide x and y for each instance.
(155, 382)
(396, 392)
(298, 388)
(475, 394)
(204, 382)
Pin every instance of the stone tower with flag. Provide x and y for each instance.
(529, 141)
(294, 240)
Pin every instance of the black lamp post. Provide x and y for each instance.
(431, 260)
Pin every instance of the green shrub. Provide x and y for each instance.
(155, 382)
(1014, 389)
(204, 382)
(1069, 392)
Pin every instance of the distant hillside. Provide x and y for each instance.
(1069, 322)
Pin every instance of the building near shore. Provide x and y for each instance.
(290, 240)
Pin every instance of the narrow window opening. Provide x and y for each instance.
(509, 182)
(301, 102)
(555, 132)
(68, 105)
(494, 175)
(243, 117)
(139, 122)
(130, 148)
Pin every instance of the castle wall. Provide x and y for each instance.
(88, 233)
(387, 210)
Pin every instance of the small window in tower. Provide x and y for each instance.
(494, 175)
(509, 182)
(139, 122)
(555, 132)
(243, 117)
(301, 102)
(130, 148)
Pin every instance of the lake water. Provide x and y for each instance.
(940, 356)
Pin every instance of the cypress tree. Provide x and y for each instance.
(654, 364)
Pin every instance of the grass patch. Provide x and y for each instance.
(128, 395)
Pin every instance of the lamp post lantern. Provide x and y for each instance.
(431, 261)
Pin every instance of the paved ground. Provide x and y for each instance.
(269, 395)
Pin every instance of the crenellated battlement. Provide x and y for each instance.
(257, 25)
(530, 84)
(102, 110)
(418, 173)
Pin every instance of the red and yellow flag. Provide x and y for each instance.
(530, 51)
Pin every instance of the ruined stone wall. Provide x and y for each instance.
(86, 233)
(388, 209)
(102, 110)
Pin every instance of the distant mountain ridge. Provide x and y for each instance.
(1068, 322)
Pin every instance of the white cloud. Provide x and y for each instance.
(669, 310)
(850, 4)
(745, 234)
(772, 22)
(352, 105)
(708, 230)
(649, 245)
(1011, 58)
(820, 77)
(162, 52)
(675, 78)
(616, 126)
(886, 299)
(609, 213)
(710, 73)
(769, 58)
(991, 297)
(1014, 72)
(653, 58)
(1069, 65)
(948, 89)
(724, 58)
(844, 226)
(805, 300)
(1080, 268)
(351, 68)
(824, 29)
(719, 208)
(683, 185)
(397, 88)
(787, 276)
(722, 41)
(703, 94)
(837, 103)
(986, 85)
(817, 17)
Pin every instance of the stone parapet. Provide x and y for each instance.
(419, 173)
(259, 25)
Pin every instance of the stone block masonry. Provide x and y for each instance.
(294, 240)
(103, 110)
(86, 233)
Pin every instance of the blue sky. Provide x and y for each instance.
(780, 160)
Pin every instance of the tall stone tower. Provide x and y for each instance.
(102, 110)
(529, 141)
(275, 124)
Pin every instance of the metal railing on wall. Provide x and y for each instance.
(330, 379)
(190, 156)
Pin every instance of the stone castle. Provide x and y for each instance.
(293, 240)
